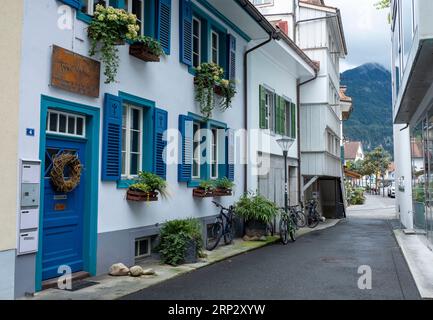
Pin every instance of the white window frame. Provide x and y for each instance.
(195, 19)
(212, 48)
(67, 115)
(149, 247)
(91, 4)
(129, 9)
(270, 109)
(129, 107)
(214, 144)
(196, 155)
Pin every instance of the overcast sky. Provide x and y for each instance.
(367, 32)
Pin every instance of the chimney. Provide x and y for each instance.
(283, 26)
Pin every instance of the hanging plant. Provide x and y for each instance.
(208, 82)
(227, 89)
(109, 28)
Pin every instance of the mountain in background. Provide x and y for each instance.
(371, 120)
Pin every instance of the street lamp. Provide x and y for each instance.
(285, 144)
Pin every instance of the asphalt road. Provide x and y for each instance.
(322, 265)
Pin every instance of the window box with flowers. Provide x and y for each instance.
(147, 49)
(147, 187)
(209, 81)
(204, 190)
(223, 187)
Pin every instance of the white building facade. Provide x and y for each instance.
(117, 133)
(412, 39)
(274, 73)
(317, 30)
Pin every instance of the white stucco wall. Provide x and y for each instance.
(402, 155)
(264, 70)
(168, 83)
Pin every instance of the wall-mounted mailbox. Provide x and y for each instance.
(30, 195)
(28, 242)
(29, 219)
(29, 207)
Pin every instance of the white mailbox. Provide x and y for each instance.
(29, 219)
(28, 242)
(29, 206)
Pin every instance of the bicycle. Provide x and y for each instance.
(223, 226)
(287, 226)
(313, 217)
(298, 216)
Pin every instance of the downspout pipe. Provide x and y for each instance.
(298, 98)
(272, 36)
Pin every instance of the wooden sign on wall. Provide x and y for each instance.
(75, 73)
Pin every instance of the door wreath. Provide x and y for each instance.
(60, 163)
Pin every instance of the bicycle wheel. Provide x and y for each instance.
(284, 232)
(229, 235)
(214, 236)
(313, 220)
(301, 219)
(292, 232)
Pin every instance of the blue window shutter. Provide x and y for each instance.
(73, 3)
(186, 148)
(231, 57)
(185, 32)
(112, 138)
(118, 4)
(160, 140)
(230, 155)
(164, 24)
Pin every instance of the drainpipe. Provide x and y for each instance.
(298, 98)
(272, 36)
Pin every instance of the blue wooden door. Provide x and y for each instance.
(63, 215)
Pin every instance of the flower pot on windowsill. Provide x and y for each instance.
(142, 52)
(202, 193)
(141, 196)
(218, 90)
(223, 192)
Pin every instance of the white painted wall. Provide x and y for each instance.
(402, 156)
(266, 70)
(168, 83)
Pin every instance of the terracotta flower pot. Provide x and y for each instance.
(142, 52)
(202, 193)
(222, 192)
(133, 195)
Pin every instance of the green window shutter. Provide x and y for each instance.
(283, 117)
(277, 114)
(262, 106)
(293, 124)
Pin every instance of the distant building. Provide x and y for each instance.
(353, 151)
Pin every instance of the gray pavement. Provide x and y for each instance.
(321, 265)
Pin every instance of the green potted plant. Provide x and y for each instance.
(205, 189)
(147, 49)
(147, 187)
(111, 27)
(258, 212)
(223, 187)
(181, 242)
(209, 80)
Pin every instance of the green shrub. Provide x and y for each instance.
(224, 183)
(150, 182)
(256, 207)
(175, 236)
(354, 196)
(207, 185)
